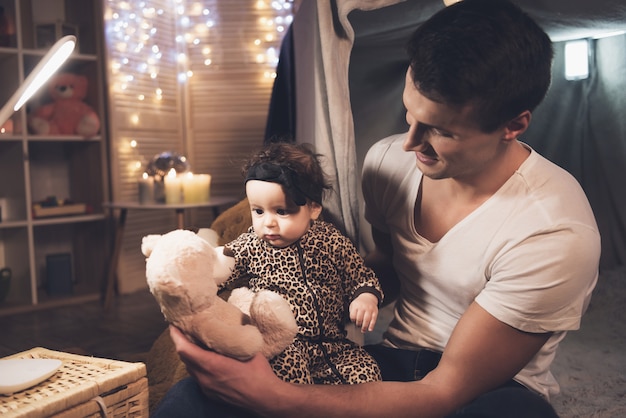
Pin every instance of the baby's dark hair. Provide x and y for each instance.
(305, 178)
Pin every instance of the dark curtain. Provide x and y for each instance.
(281, 119)
(581, 127)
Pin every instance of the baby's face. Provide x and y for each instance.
(275, 218)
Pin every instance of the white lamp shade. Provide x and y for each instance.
(44, 69)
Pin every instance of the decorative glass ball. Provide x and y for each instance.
(162, 163)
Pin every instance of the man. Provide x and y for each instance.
(494, 249)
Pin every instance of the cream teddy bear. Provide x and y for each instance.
(184, 271)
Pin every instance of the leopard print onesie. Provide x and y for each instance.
(318, 275)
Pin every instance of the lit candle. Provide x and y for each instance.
(196, 188)
(190, 188)
(173, 187)
(146, 189)
(205, 187)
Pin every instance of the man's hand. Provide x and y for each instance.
(222, 377)
(364, 311)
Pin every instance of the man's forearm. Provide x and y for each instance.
(378, 399)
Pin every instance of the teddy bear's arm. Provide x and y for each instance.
(44, 111)
(227, 330)
(223, 267)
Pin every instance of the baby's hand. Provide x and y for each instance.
(364, 311)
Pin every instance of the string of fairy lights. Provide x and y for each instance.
(143, 54)
(139, 51)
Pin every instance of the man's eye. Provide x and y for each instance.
(439, 132)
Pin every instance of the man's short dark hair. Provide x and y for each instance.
(486, 53)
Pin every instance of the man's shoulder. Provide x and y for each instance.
(390, 142)
(388, 149)
(555, 192)
(540, 172)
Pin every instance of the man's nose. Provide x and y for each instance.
(415, 135)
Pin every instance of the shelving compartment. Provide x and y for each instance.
(82, 67)
(45, 21)
(14, 255)
(10, 81)
(12, 185)
(67, 170)
(68, 260)
(8, 29)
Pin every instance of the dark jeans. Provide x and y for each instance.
(511, 400)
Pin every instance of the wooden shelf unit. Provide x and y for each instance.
(35, 167)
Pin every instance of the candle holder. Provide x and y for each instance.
(146, 186)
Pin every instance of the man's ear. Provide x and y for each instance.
(517, 126)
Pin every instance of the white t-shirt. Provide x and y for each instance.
(528, 256)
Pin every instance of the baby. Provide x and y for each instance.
(289, 250)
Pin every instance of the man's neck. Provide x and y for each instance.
(441, 204)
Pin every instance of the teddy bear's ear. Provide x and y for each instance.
(148, 242)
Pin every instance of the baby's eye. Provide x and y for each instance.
(257, 211)
(282, 212)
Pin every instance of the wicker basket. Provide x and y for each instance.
(83, 387)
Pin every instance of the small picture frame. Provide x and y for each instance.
(47, 33)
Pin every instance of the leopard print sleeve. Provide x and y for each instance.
(357, 277)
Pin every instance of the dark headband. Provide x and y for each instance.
(295, 188)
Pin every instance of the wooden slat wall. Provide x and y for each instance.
(156, 125)
(215, 118)
(229, 99)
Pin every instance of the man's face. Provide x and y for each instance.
(447, 140)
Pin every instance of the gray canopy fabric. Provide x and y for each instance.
(348, 72)
(581, 126)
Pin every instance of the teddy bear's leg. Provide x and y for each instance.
(273, 317)
(54, 128)
(227, 334)
(89, 125)
(39, 125)
(242, 297)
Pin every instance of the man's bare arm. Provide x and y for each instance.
(482, 354)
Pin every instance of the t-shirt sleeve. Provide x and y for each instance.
(358, 277)
(373, 184)
(544, 283)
